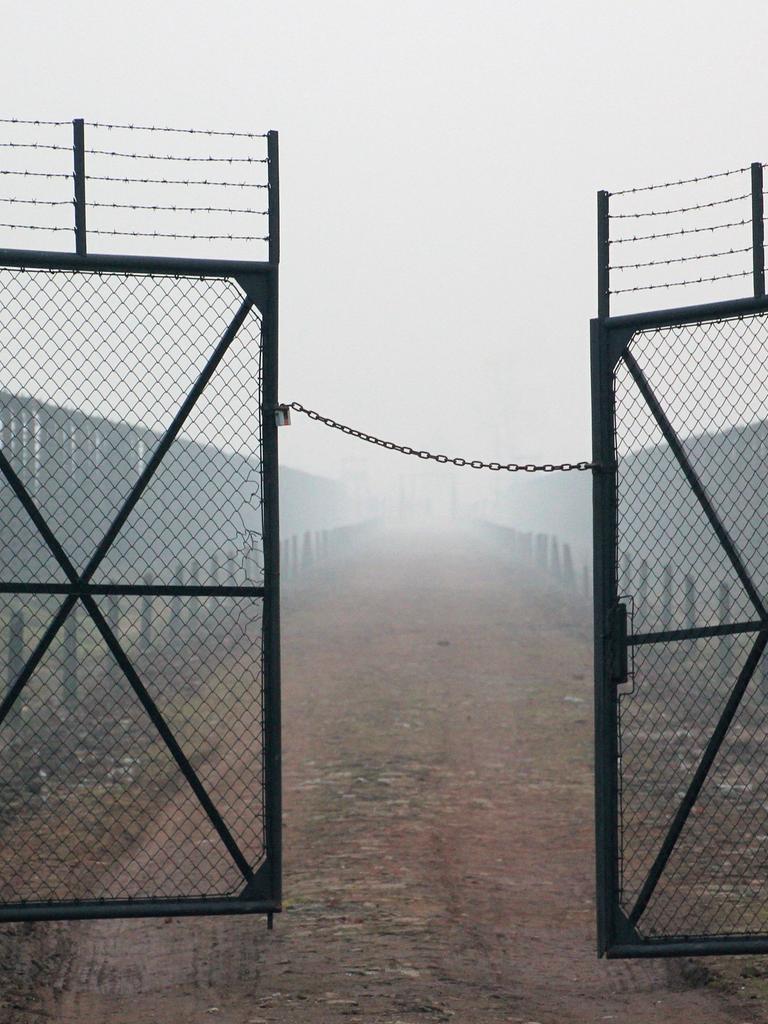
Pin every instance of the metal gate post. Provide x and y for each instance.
(78, 139)
(605, 600)
(758, 232)
(271, 513)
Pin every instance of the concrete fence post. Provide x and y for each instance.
(15, 652)
(306, 551)
(727, 642)
(569, 576)
(666, 597)
(555, 568)
(147, 609)
(69, 662)
(113, 616)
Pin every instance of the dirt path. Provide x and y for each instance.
(438, 829)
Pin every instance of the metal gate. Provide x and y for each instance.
(680, 425)
(140, 755)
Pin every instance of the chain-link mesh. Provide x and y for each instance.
(691, 442)
(132, 763)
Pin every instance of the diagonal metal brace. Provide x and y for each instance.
(168, 438)
(36, 516)
(36, 657)
(169, 739)
(696, 485)
(699, 778)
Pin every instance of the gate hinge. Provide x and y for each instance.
(618, 645)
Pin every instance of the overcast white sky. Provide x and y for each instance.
(439, 165)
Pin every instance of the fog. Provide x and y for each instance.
(439, 164)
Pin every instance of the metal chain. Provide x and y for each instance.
(404, 449)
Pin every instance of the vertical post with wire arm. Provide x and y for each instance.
(758, 232)
(603, 256)
(78, 140)
(273, 197)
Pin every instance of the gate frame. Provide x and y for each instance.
(610, 337)
(259, 282)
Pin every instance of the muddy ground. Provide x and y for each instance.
(438, 830)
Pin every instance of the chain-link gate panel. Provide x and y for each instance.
(138, 765)
(681, 501)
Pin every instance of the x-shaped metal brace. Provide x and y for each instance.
(739, 688)
(80, 588)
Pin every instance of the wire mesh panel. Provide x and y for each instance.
(681, 503)
(138, 707)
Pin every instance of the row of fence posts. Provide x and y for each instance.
(695, 612)
(546, 553)
(639, 588)
(554, 560)
(184, 618)
(301, 551)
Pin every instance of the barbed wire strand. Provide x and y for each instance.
(36, 227)
(677, 284)
(173, 209)
(681, 209)
(38, 202)
(167, 181)
(18, 120)
(162, 234)
(403, 449)
(40, 174)
(681, 181)
(141, 234)
(181, 131)
(138, 156)
(682, 231)
(679, 259)
(185, 159)
(35, 145)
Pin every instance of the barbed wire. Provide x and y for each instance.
(162, 234)
(18, 120)
(404, 449)
(36, 227)
(167, 181)
(679, 259)
(185, 159)
(677, 284)
(173, 209)
(35, 145)
(156, 128)
(38, 202)
(682, 231)
(40, 174)
(137, 156)
(681, 181)
(149, 199)
(681, 209)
